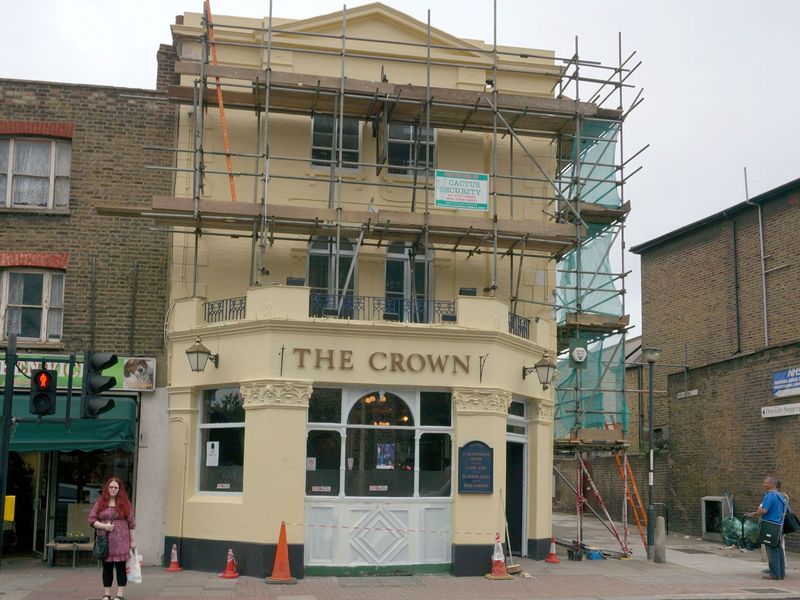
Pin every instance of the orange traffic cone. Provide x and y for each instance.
(498, 562)
(230, 567)
(280, 570)
(552, 558)
(174, 567)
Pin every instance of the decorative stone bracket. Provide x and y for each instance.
(275, 393)
(470, 400)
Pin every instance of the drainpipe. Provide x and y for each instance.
(760, 210)
(735, 253)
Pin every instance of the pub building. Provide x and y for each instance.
(360, 346)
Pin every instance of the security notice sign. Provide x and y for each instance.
(457, 189)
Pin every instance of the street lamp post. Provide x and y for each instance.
(650, 356)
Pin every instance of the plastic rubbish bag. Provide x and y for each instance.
(732, 531)
(751, 534)
(133, 567)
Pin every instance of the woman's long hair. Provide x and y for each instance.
(123, 506)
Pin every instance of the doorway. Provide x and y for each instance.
(515, 495)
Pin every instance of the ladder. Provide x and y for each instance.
(225, 140)
(634, 499)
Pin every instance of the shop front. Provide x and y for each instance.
(382, 447)
(56, 473)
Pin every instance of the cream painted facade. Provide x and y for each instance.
(277, 354)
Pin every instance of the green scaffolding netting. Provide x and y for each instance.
(593, 397)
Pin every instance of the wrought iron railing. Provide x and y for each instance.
(380, 308)
(368, 308)
(227, 309)
(519, 326)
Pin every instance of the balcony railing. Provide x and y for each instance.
(519, 326)
(228, 309)
(380, 308)
(365, 308)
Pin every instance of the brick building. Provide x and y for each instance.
(733, 322)
(71, 279)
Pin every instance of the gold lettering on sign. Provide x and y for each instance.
(320, 358)
(372, 361)
(301, 355)
(420, 363)
(463, 364)
(397, 361)
(438, 363)
(330, 359)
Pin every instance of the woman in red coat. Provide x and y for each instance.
(112, 515)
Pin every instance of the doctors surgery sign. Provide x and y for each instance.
(466, 191)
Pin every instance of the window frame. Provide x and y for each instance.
(413, 399)
(398, 169)
(325, 164)
(403, 257)
(46, 305)
(202, 427)
(7, 200)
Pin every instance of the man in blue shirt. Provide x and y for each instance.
(772, 508)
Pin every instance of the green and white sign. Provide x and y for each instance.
(133, 373)
(458, 189)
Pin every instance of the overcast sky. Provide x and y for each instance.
(720, 78)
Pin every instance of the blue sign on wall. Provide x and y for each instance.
(786, 383)
(475, 472)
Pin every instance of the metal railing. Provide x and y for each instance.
(381, 308)
(365, 308)
(227, 309)
(519, 326)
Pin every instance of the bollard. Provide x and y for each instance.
(660, 542)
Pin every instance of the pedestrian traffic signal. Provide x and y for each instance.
(95, 383)
(43, 392)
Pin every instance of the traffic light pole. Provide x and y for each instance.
(8, 400)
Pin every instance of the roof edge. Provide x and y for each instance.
(760, 199)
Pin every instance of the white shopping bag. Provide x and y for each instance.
(133, 567)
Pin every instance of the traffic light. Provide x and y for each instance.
(95, 383)
(43, 392)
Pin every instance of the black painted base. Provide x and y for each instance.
(538, 549)
(210, 556)
(472, 560)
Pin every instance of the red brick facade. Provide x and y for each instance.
(37, 128)
(108, 131)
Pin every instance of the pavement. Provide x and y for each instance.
(695, 570)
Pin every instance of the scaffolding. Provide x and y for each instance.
(582, 194)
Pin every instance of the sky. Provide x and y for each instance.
(720, 79)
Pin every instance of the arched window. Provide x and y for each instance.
(392, 448)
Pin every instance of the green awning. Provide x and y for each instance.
(114, 429)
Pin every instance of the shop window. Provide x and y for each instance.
(435, 452)
(410, 146)
(323, 457)
(325, 141)
(435, 408)
(33, 304)
(325, 406)
(383, 436)
(34, 173)
(222, 441)
(517, 413)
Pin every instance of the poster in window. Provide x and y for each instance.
(385, 456)
(212, 454)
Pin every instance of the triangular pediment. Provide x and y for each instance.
(376, 21)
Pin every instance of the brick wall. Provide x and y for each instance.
(719, 441)
(107, 167)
